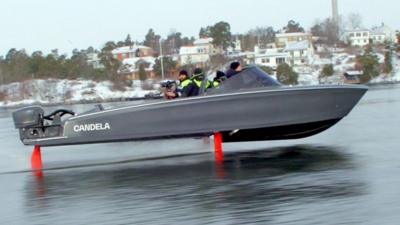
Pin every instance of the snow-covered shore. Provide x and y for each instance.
(52, 91)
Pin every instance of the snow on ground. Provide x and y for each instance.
(53, 91)
(390, 78)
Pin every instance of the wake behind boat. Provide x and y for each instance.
(251, 106)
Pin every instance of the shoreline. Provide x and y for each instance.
(133, 99)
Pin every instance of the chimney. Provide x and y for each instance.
(335, 11)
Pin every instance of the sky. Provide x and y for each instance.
(68, 24)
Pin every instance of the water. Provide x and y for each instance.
(346, 175)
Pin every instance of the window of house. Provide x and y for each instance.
(301, 52)
(265, 60)
(365, 34)
(280, 61)
(351, 35)
(358, 34)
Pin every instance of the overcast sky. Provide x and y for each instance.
(68, 24)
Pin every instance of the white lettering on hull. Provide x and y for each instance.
(91, 127)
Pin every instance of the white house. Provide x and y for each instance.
(199, 53)
(378, 37)
(300, 53)
(380, 34)
(358, 37)
(236, 50)
(94, 60)
(271, 57)
(295, 54)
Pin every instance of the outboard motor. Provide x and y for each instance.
(28, 117)
(30, 122)
(33, 124)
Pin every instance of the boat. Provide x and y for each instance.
(250, 106)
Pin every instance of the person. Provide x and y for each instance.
(195, 87)
(183, 89)
(234, 69)
(219, 78)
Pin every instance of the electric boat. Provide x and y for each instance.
(250, 106)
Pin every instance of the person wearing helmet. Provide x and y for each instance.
(220, 76)
(198, 80)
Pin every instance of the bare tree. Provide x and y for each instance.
(354, 20)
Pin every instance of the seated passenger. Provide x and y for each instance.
(234, 68)
(195, 88)
(219, 78)
(183, 89)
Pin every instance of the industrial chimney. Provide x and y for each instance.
(335, 11)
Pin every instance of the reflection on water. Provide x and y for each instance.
(247, 187)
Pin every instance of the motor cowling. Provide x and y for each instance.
(28, 117)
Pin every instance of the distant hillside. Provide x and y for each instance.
(53, 91)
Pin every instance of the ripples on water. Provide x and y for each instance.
(257, 186)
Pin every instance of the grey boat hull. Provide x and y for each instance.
(259, 114)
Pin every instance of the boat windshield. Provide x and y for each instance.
(248, 78)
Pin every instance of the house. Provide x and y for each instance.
(94, 60)
(132, 57)
(199, 53)
(295, 54)
(358, 37)
(234, 50)
(282, 39)
(131, 66)
(380, 34)
(378, 37)
(299, 53)
(270, 57)
(133, 51)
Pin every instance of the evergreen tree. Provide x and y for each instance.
(17, 65)
(205, 32)
(173, 43)
(327, 71)
(142, 72)
(169, 66)
(286, 75)
(388, 66)
(221, 34)
(128, 40)
(267, 69)
(369, 64)
(293, 27)
(152, 40)
(107, 59)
